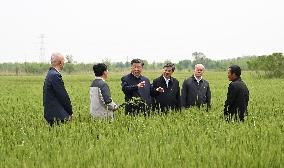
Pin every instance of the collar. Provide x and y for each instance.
(237, 79)
(100, 78)
(55, 69)
(136, 76)
(198, 80)
(170, 79)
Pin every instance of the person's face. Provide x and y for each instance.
(198, 71)
(231, 76)
(61, 63)
(168, 71)
(136, 69)
(105, 75)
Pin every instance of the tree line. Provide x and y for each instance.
(267, 65)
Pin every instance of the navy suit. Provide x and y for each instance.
(56, 102)
(130, 89)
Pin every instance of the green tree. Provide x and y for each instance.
(200, 58)
(69, 66)
(69, 59)
(183, 65)
(272, 65)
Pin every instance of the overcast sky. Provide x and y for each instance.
(156, 30)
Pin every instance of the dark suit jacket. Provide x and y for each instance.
(56, 102)
(237, 99)
(170, 98)
(130, 89)
(194, 94)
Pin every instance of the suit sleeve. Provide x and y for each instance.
(61, 93)
(231, 98)
(178, 98)
(208, 96)
(154, 86)
(247, 101)
(126, 88)
(184, 94)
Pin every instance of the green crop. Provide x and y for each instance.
(191, 138)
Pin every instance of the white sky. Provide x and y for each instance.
(156, 30)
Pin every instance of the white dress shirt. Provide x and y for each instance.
(167, 81)
(198, 79)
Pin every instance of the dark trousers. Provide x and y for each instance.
(136, 109)
(165, 109)
(55, 122)
(236, 114)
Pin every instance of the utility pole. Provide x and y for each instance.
(42, 48)
(127, 63)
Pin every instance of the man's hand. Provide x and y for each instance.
(160, 89)
(115, 108)
(141, 84)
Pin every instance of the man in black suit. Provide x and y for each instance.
(166, 90)
(237, 96)
(137, 90)
(56, 102)
(196, 90)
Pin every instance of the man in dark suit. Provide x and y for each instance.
(196, 90)
(166, 90)
(237, 96)
(137, 90)
(56, 102)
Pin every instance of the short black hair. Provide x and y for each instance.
(99, 69)
(137, 61)
(171, 65)
(235, 69)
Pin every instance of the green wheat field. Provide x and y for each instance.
(191, 138)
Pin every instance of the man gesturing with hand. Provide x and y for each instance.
(137, 90)
(166, 90)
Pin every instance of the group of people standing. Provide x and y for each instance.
(164, 93)
(141, 96)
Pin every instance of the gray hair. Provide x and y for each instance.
(199, 66)
(56, 57)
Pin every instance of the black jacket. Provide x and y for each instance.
(237, 99)
(56, 102)
(170, 98)
(194, 94)
(130, 89)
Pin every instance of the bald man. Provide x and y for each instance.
(195, 90)
(56, 102)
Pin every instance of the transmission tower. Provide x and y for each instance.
(42, 48)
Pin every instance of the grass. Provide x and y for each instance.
(192, 138)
